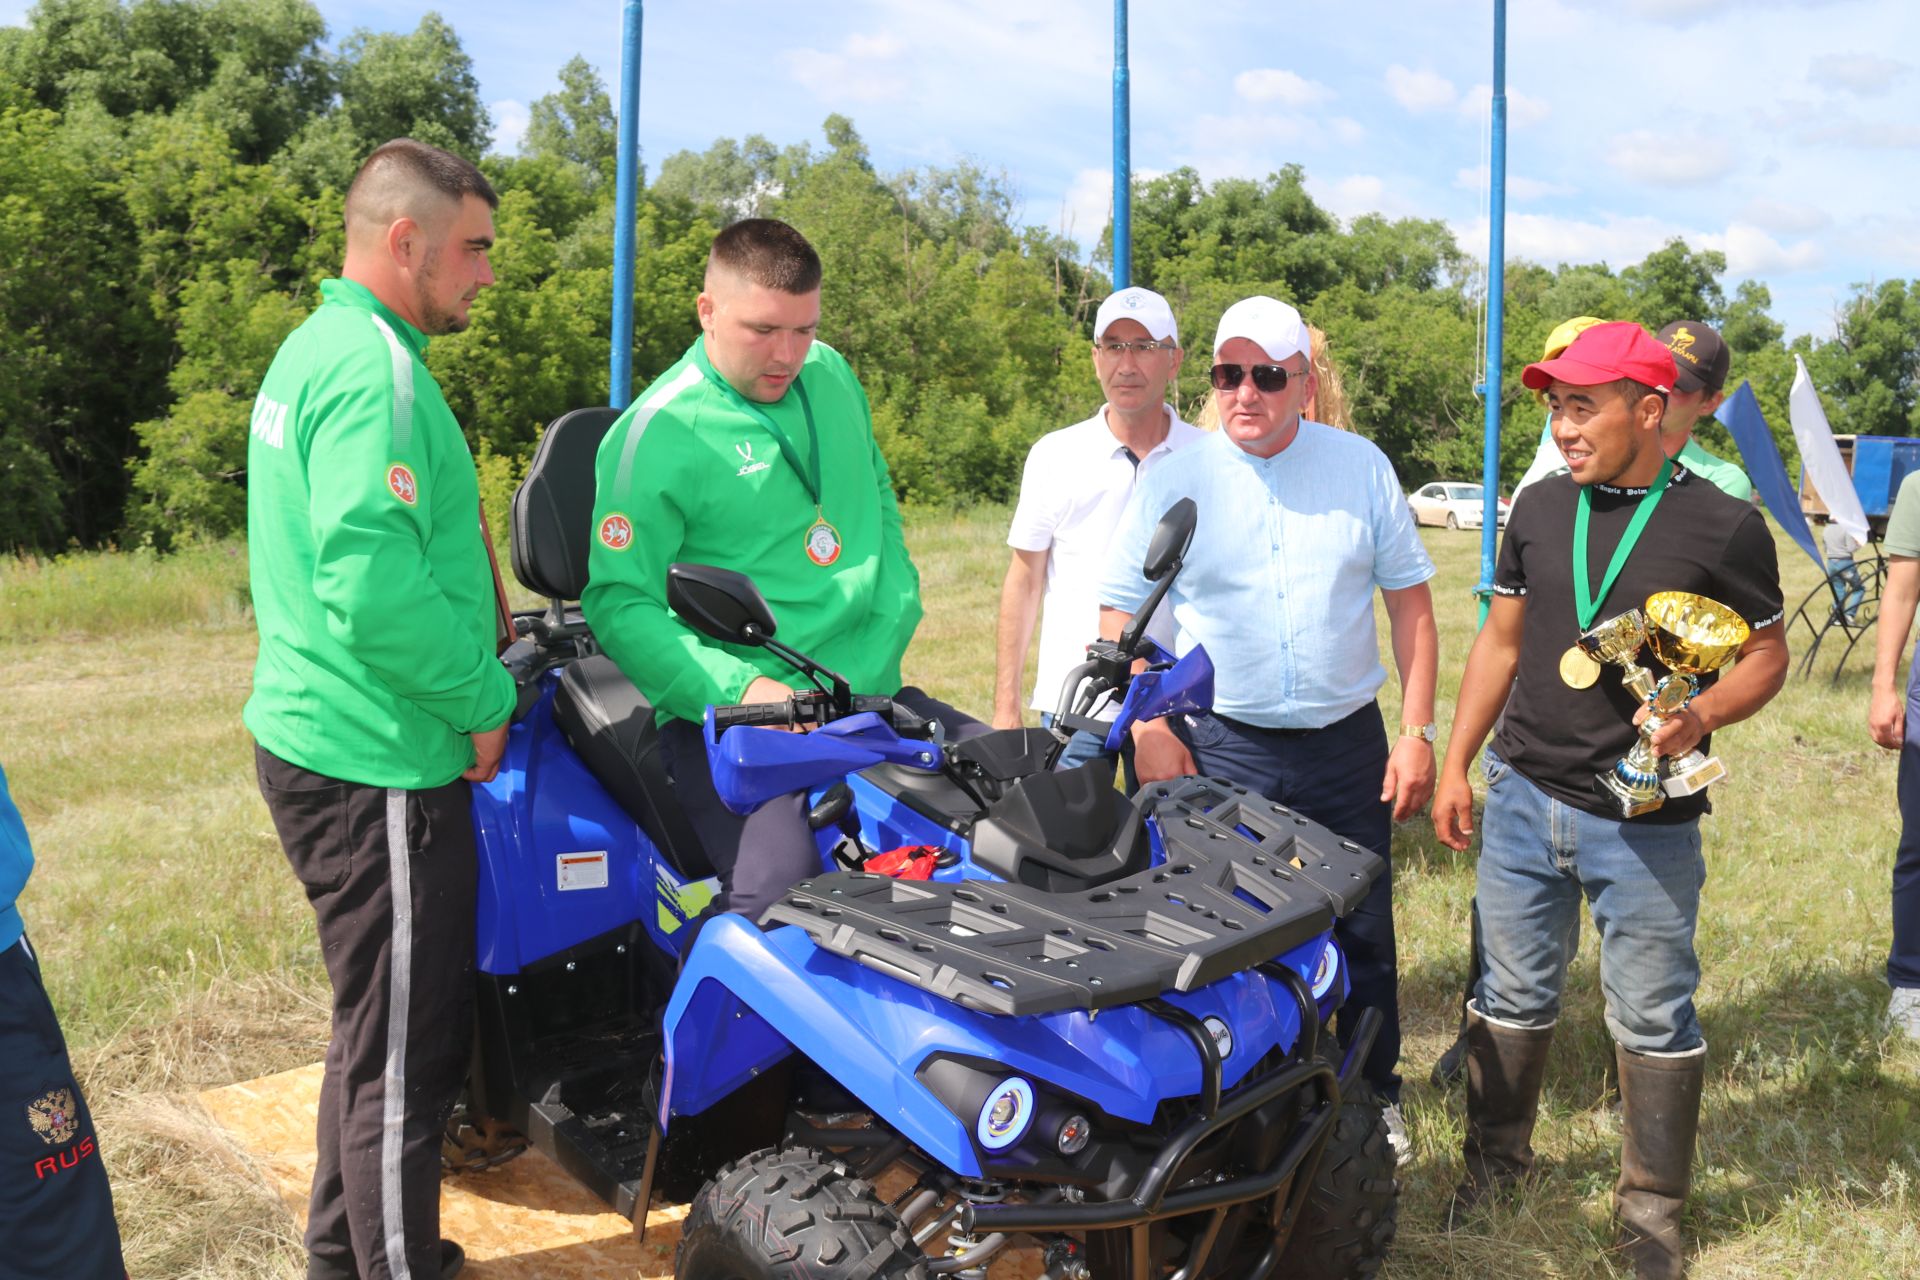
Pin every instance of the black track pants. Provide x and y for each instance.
(56, 1214)
(391, 876)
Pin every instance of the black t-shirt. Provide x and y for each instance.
(1698, 540)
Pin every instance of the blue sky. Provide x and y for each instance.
(1783, 132)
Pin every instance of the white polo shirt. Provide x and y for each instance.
(1074, 490)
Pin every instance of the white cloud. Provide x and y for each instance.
(1752, 252)
(1265, 84)
(1518, 188)
(1521, 109)
(880, 47)
(1890, 241)
(1346, 131)
(1359, 193)
(1785, 217)
(1868, 135)
(1419, 91)
(1699, 11)
(1244, 128)
(1660, 159)
(510, 120)
(1088, 205)
(1863, 73)
(1613, 238)
(864, 69)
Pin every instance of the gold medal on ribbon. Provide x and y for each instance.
(1578, 668)
(823, 542)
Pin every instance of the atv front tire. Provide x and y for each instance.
(1351, 1213)
(793, 1214)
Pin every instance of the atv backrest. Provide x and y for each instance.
(553, 507)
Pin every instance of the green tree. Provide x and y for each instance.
(1866, 374)
(575, 125)
(733, 179)
(1675, 283)
(83, 354)
(1748, 325)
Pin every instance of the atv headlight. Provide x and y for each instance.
(1006, 1114)
(1326, 971)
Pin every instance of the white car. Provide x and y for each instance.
(1453, 503)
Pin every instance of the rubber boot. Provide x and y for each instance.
(1454, 1061)
(1662, 1118)
(1505, 1065)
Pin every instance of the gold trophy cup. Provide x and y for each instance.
(1692, 635)
(1619, 641)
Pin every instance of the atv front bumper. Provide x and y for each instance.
(1158, 1195)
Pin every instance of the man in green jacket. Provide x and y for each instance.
(754, 452)
(377, 696)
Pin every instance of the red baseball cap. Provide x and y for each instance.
(1607, 353)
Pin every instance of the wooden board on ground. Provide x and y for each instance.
(523, 1220)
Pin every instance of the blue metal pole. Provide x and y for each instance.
(625, 208)
(1496, 307)
(1122, 155)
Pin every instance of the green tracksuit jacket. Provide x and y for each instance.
(691, 473)
(371, 585)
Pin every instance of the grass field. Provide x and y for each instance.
(181, 953)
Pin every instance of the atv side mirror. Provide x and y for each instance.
(1171, 538)
(719, 603)
(1165, 554)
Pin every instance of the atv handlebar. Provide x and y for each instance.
(810, 707)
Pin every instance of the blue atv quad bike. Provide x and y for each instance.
(1099, 1028)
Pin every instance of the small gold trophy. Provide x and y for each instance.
(1619, 641)
(1692, 635)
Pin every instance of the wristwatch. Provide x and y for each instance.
(1425, 732)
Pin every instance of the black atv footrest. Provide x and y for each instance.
(592, 1106)
(1244, 880)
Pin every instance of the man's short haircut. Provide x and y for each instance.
(406, 179)
(1635, 391)
(769, 253)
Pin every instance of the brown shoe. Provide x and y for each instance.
(1661, 1096)
(1505, 1065)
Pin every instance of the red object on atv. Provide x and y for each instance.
(908, 862)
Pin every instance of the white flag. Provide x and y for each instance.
(1826, 472)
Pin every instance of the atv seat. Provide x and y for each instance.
(610, 726)
(1062, 831)
(553, 507)
(604, 718)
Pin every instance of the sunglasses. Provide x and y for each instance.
(1266, 377)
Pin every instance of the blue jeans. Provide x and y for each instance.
(1332, 776)
(1084, 748)
(1642, 881)
(1903, 961)
(1843, 572)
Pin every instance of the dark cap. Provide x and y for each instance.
(1606, 353)
(1699, 355)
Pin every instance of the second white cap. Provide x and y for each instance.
(1269, 324)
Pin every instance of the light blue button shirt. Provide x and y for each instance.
(1279, 582)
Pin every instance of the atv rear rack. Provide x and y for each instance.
(1243, 880)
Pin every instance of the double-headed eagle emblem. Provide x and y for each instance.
(54, 1117)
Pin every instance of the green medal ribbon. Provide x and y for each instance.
(1586, 605)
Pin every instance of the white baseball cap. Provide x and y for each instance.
(1269, 324)
(1144, 305)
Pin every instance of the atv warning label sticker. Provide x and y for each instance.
(400, 480)
(616, 531)
(581, 870)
